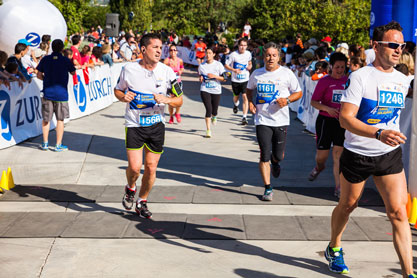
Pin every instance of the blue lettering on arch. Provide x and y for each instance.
(80, 95)
(5, 126)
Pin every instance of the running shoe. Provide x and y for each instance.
(412, 276)
(142, 209)
(235, 109)
(244, 121)
(128, 198)
(214, 120)
(45, 146)
(60, 148)
(335, 258)
(275, 169)
(178, 117)
(314, 174)
(267, 195)
(208, 133)
(171, 120)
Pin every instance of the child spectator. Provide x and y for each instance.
(321, 70)
(106, 58)
(356, 63)
(96, 56)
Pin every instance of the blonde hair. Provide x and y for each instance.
(407, 59)
(343, 50)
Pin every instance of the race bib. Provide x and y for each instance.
(239, 66)
(337, 95)
(142, 101)
(241, 76)
(265, 93)
(211, 84)
(148, 120)
(199, 49)
(390, 96)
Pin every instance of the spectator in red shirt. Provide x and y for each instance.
(76, 57)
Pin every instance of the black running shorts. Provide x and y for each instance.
(357, 168)
(152, 137)
(328, 131)
(271, 140)
(239, 88)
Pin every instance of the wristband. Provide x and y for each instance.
(288, 100)
(378, 134)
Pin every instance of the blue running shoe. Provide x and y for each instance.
(45, 146)
(336, 261)
(412, 276)
(267, 195)
(61, 148)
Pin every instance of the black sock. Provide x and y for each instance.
(268, 186)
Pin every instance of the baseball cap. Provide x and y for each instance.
(24, 41)
(344, 45)
(326, 39)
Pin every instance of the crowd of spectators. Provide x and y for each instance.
(93, 48)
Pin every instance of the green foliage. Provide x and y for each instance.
(142, 18)
(73, 12)
(95, 15)
(345, 20)
(196, 16)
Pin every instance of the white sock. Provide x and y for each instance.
(140, 200)
(237, 103)
(133, 189)
(244, 116)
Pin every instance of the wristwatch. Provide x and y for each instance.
(378, 134)
(288, 100)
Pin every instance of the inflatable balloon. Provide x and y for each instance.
(29, 19)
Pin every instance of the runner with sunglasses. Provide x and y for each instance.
(370, 111)
(177, 65)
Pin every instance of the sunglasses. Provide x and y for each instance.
(393, 45)
(173, 50)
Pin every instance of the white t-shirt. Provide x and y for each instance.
(247, 28)
(143, 110)
(380, 97)
(239, 61)
(127, 50)
(212, 86)
(269, 86)
(370, 56)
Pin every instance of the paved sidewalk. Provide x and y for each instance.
(65, 219)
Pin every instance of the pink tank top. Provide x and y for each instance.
(176, 68)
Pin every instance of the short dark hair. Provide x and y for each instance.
(46, 38)
(146, 39)
(75, 39)
(380, 31)
(244, 39)
(19, 47)
(338, 56)
(11, 67)
(321, 65)
(3, 58)
(57, 45)
(97, 52)
(212, 48)
(67, 52)
(321, 52)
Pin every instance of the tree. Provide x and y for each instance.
(73, 12)
(140, 17)
(346, 20)
(95, 15)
